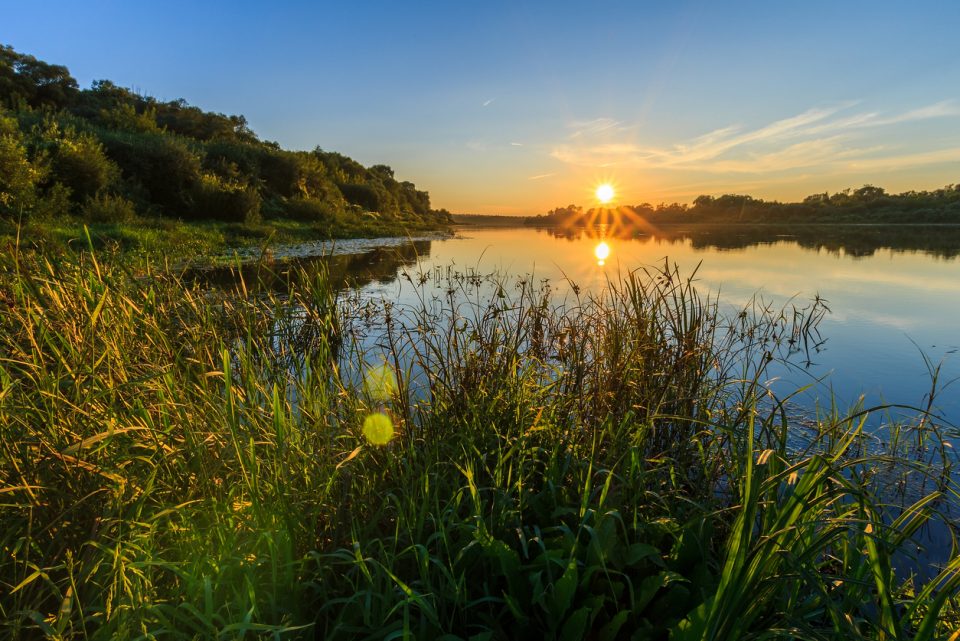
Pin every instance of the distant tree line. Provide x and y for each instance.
(109, 154)
(868, 204)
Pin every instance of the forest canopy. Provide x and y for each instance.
(109, 154)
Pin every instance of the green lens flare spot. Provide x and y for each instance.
(380, 384)
(378, 429)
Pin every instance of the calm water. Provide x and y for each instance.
(894, 293)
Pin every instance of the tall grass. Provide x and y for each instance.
(189, 462)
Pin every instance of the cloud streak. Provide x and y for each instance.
(584, 128)
(821, 137)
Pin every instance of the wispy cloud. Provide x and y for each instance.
(516, 144)
(540, 176)
(592, 127)
(823, 136)
(487, 103)
(939, 110)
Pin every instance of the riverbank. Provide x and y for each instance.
(186, 462)
(192, 242)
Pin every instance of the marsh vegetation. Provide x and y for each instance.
(187, 461)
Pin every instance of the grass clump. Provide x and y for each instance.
(189, 462)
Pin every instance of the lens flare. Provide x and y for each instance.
(380, 383)
(378, 429)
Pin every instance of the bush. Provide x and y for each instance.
(55, 201)
(80, 163)
(366, 196)
(164, 166)
(310, 210)
(279, 172)
(17, 175)
(125, 116)
(229, 203)
(109, 209)
(230, 159)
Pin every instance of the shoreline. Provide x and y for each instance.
(199, 243)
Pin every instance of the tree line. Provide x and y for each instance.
(868, 204)
(109, 154)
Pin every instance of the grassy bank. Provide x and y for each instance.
(194, 241)
(187, 463)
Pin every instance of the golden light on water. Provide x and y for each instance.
(602, 252)
(605, 193)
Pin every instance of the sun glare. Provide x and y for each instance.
(605, 193)
(602, 252)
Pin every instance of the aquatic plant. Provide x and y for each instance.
(181, 461)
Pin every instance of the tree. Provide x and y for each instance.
(125, 116)
(39, 84)
(80, 163)
(18, 176)
(109, 152)
(817, 199)
(279, 172)
(364, 196)
(215, 199)
(162, 167)
(383, 172)
(869, 193)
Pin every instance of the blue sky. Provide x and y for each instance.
(517, 107)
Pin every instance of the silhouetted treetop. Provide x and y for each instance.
(868, 204)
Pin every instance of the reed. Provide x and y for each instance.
(181, 461)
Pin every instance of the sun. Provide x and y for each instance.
(605, 193)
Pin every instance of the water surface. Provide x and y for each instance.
(893, 292)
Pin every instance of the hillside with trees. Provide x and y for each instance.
(868, 204)
(110, 155)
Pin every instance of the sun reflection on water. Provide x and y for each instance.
(602, 252)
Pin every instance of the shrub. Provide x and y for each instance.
(279, 172)
(217, 200)
(80, 163)
(230, 158)
(125, 116)
(310, 210)
(109, 209)
(366, 196)
(18, 176)
(164, 166)
(54, 201)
